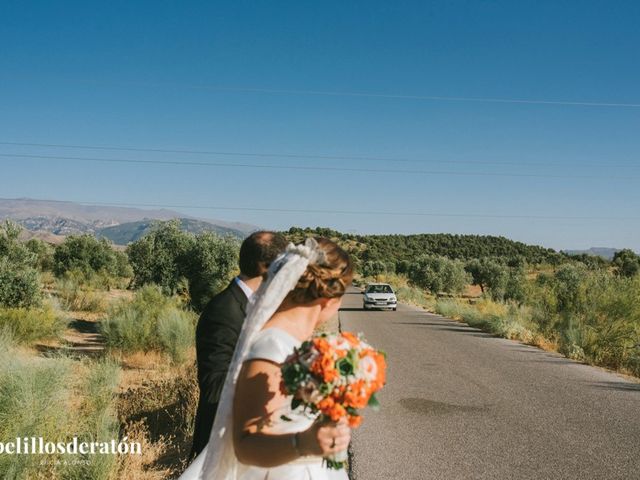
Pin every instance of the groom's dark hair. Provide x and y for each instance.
(258, 250)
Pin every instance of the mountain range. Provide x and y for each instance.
(52, 220)
(603, 252)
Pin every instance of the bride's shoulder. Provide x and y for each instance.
(273, 344)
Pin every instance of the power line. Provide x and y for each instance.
(318, 156)
(340, 212)
(361, 94)
(416, 97)
(311, 168)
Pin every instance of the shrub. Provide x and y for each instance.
(19, 286)
(158, 257)
(89, 255)
(373, 268)
(627, 263)
(79, 295)
(171, 258)
(19, 281)
(490, 275)
(439, 274)
(211, 262)
(12, 249)
(151, 321)
(30, 324)
(43, 254)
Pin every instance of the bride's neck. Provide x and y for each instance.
(300, 321)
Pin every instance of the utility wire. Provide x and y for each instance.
(341, 212)
(361, 94)
(319, 156)
(416, 97)
(310, 168)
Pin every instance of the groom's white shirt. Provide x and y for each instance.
(244, 287)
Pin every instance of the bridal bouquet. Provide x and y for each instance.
(335, 376)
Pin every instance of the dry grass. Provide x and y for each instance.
(142, 467)
(161, 409)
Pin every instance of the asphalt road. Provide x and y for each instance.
(462, 404)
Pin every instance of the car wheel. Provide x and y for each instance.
(394, 309)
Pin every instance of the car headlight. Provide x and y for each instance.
(393, 299)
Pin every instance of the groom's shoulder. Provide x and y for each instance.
(221, 305)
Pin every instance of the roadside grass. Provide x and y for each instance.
(604, 330)
(505, 320)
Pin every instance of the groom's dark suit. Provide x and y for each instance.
(216, 337)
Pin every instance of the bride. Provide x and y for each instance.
(256, 435)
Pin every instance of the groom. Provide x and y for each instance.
(220, 324)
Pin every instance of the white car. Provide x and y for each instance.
(379, 295)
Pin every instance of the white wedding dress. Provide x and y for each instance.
(275, 344)
(218, 461)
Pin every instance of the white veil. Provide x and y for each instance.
(218, 461)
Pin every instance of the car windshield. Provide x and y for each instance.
(379, 289)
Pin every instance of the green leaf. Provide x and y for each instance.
(373, 402)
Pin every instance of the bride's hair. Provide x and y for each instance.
(329, 277)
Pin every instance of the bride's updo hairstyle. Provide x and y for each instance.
(329, 277)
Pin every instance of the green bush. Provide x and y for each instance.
(174, 259)
(211, 262)
(627, 263)
(439, 274)
(373, 268)
(78, 294)
(151, 321)
(19, 286)
(19, 280)
(89, 255)
(43, 254)
(30, 324)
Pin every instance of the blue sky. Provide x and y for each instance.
(232, 77)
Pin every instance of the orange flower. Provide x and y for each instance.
(326, 404)
(355, 421)
(321, 344)
(337, 412)
(353, 340)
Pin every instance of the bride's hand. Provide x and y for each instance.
(326, 438)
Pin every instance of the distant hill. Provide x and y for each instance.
(54, 220)
(395, 248)
(604, 252)
(130, 232)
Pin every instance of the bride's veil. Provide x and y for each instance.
(219, 462)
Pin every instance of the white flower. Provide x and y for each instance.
(368, 368)
(339, 343)
(310, 393)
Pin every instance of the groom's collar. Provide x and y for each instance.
(239, 295)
